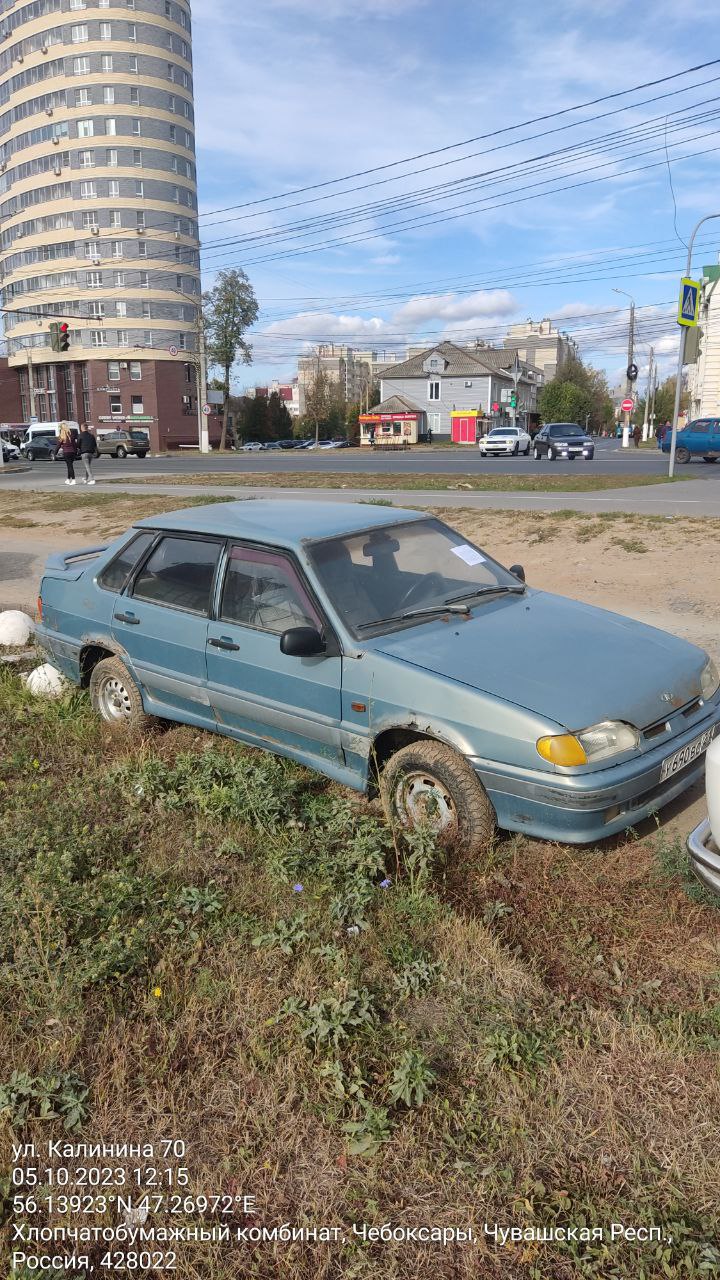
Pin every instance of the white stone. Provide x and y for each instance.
(16, 628)
(46, 682)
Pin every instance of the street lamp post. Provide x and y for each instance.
(681, 353)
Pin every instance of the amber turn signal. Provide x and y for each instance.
(562, 749)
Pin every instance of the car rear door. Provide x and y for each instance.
(262, 695)
(160, 622)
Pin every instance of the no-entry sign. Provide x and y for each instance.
(627, 406)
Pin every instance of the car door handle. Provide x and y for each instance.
(223, 643)
(130, 618)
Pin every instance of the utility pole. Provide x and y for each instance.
(201, 384)
(31, 386)
(630, 354)
(651, 373)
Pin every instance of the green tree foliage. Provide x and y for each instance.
(577, 393)
(229, 310)
(280, 423)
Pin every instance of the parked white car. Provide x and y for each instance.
(505, 440)
(704, 841)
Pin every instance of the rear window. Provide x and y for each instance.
(116, 573)
(179, 574)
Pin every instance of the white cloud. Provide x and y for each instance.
(320, 326)
(452, 306)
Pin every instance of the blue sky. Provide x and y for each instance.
(293, 93)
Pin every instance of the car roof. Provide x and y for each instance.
(284, 522)
(563, 424)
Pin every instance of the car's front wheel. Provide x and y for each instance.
(526, 450)
(29, 455)
(116, 698)
(682, 455)
(537, 454)
(121, 451)
(516, 450)
(551, 455)
(428, 784)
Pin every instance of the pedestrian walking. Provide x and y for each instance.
(68, 448)
(637, 435)
(88, 446)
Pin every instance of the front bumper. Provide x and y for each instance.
(705, 856)
(583, 808)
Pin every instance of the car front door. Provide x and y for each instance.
(161, 620)
(288, 704)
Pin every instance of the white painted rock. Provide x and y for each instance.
(46, 682)
(16, 628)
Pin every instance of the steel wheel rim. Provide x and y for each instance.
(114, 701)
(422, 800)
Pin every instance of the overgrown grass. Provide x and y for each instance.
(406, 481)
(204, 942)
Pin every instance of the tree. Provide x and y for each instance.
(578, 393)
(229, 309)
(279, 420)
(317, 399)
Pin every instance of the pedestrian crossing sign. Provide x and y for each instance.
(689, 303)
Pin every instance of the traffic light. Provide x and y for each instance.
(513, 401)
(60, 336)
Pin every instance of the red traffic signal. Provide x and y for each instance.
(64, 334)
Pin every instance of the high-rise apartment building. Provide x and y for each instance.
(98, 210)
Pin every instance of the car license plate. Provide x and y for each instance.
(673, 764)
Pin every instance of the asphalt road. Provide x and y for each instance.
(610, 459)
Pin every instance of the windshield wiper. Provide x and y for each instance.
(486, 591)
(448, 607)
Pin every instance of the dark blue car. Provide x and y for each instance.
(699, 439)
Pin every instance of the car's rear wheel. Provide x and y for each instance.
(142, 454)
(709, 459)
(116, 698)
(682, 455)
(428, 784)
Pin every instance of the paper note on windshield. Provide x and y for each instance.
(468, 554)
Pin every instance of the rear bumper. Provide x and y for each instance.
(587, 807)
(705, 856)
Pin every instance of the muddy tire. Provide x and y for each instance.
(116, 698)
(682, 454)
(429, 783)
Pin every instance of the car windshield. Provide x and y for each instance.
(494, 435)
(566, 430)
(373, 578)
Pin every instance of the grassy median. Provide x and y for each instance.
(205, 943)
(405, 482)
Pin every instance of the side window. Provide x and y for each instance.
(262, 589)
(116, 573)
(701, 427)
(179, 574)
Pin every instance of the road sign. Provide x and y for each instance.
(173, 351)
(627, 406)
(207, 408)
(689, 303)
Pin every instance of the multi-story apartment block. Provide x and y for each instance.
(542, 345)
(98, 209)
(348, 369)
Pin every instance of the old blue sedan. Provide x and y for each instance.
(383, 649)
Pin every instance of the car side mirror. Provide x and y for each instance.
(518, 570)
(302, 642)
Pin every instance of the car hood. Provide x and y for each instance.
(569, 662)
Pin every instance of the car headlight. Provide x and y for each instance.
(709, 679)
(609, 738)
